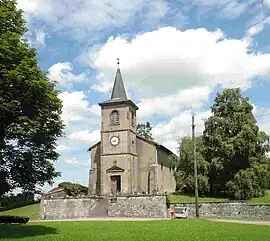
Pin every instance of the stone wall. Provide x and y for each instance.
(66, 208)
(145, 206)
(231, 209)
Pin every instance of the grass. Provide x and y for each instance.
(187, 198)
(190, 229)
(31, 211)
(262, 200)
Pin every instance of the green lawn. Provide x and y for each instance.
(182, 198)
(31, 211)
(265, 199)
(190, 229)
(187, 198)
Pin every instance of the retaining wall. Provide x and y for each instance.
(147, 206)
(66, 208)
(231, 209)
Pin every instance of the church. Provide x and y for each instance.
(123, 162)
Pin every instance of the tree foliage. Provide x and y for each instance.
(30, 109)
(233, 140)
(73, 189)
(145, 130)
(184, 166)
(231, 154)
(15, 201)
(251, 182)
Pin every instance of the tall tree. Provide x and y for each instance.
(233, 141)
(30, 109)
(184, 166)
(144, 130)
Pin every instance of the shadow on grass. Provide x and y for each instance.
(23, 231)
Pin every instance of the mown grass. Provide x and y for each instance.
(262, 200)
(190, 229)
(188, 198)
(31, 211)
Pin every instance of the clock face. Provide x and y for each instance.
(114, 140)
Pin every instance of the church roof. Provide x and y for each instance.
(118, 92)
(119, 95)
(55, 189)
(93, 146)
(156, 144)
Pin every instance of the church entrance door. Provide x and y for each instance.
(115, 184)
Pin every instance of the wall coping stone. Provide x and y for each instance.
(86, 197)
(229, 202)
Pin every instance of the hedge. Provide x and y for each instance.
(13, 219)
(18, 205)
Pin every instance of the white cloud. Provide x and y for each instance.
(83, 16)
(95, 109)
(257, 28)
(75, 106)
(179, 126)
(36, 38)
(72, 161)
(29, 6)
(86, 135)
(262, 115)
(62, 148)
(156, 10)
(267, 3)
(167, 60)
(228, 9)
(62, 74)
(75, 162)
(172, 104)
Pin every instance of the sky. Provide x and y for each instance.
(175, 55)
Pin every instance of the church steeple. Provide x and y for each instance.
(118, 91)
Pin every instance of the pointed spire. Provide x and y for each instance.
(118, 91)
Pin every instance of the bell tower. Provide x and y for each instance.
(118, 159)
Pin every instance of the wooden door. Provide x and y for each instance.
(113, 184)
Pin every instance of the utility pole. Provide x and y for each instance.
(195, 167)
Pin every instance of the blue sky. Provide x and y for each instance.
(174, 57)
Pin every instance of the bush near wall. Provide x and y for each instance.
(13, 219)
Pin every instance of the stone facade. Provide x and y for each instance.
(232, 210)
(146, 206)
(132, 164)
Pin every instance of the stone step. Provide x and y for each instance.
(100, 209)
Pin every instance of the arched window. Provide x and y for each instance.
(114, 118)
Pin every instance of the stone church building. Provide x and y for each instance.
(123, 162)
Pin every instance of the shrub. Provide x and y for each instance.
(249, 183)
(13, 219)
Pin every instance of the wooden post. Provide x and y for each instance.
(195, 166)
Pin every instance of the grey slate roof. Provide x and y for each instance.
(119, 91)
